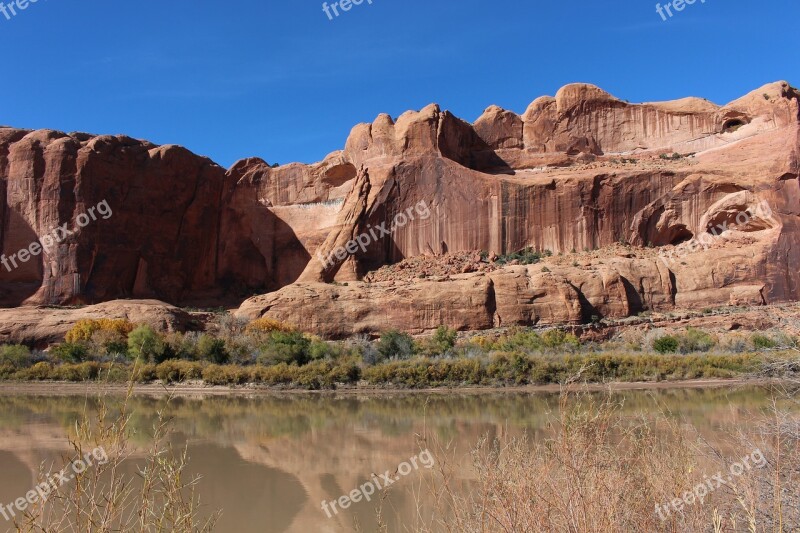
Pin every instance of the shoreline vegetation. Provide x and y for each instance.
(269, 354)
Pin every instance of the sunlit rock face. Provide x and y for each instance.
(715, 188)
(707, 197)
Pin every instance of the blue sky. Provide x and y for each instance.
(280, 81)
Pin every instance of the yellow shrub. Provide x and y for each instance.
(267, 325)
(85, 328)
(482, 342)
(225, 375)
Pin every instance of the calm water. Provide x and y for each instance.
(269, 461)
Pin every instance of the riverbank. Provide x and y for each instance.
(199, 389)
(273, 356)
(498, 370)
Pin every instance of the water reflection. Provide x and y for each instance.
(269, 461)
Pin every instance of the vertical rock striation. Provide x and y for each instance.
(581, 170)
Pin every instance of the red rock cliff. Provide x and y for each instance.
(581, 170)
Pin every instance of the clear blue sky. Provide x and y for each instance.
(281, 81)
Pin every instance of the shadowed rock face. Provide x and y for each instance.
(159, 241)
(580, 170)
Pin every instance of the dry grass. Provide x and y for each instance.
(597, 471)
(127, 492)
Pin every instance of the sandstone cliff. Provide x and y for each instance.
(579, 171)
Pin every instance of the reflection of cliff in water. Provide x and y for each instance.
(269, 461)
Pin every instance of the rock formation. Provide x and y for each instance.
(160, 241)
(581, 171)
(41, 326)
(715, 188)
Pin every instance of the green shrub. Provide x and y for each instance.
(666, 344)
(182, 345)
(108, 343)
(467, 371)
(319, 350)
(442, 341)
(502, 369)
(556, 338)
(314, 376)
(7, 371)
(215, 375)
(119, 347)
(212, 349)
(526, 256)
(146, 344)
(398, 373)
(760, 342)
(326, 374)
(395, 345)
(510, 368)
(115, 373)
(542, 372)
(286, 347)
(89, 371)
(16, 355)
(527, 341)
(520, 340)
(695, 340)
(349, 373)
(450, 372)
(70, 352)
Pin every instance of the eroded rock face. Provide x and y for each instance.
(579, 171)
(159, 239)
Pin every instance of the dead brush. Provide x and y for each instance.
(597, 471)
(768, 498)
(127, 492)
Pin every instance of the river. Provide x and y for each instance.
(269, 461)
